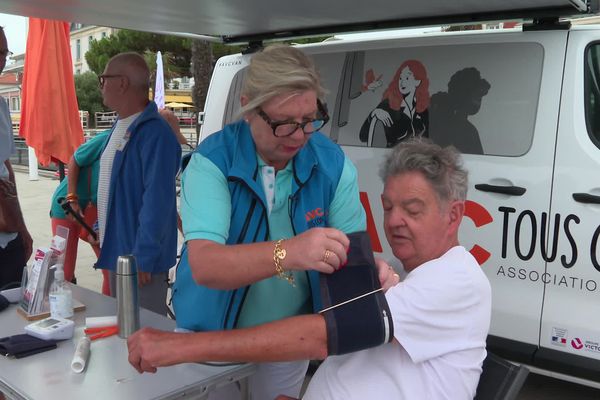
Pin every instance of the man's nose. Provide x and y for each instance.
(396, 218)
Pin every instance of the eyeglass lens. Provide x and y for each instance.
(307, 127)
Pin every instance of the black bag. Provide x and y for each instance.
(9, 207)
(19, 346)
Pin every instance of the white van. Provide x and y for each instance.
(524, 107)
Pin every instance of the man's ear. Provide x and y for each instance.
(244, 100)
(455, 214)
(124, 83)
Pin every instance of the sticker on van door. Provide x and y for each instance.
(403, 110)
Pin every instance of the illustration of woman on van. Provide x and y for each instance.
(402, 112)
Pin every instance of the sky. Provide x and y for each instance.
(15, 28)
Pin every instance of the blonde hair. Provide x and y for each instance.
(277, 70)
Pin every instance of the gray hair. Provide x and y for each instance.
(134, 66)
(441, 167)
(277, 70)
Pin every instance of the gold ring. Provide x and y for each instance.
(326, 255)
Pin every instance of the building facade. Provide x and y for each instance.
(81, 38)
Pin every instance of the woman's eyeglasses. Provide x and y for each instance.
(286, 128)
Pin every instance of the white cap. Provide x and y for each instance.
(59, 273)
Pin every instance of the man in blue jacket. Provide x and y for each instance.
(136, 190)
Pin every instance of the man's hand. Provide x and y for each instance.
(144, 278)
(387, 276)
(150, 348)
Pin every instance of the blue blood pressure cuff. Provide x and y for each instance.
(356, 312)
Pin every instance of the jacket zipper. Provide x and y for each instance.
(239, 241)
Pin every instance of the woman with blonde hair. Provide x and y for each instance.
(265, 204)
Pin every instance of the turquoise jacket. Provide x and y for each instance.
(142, 214)
(317, 169)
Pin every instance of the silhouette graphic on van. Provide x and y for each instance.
(449, 111)
(403, 111)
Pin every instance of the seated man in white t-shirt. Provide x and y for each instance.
(441, 310)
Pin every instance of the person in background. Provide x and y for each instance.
(136, 189)
(16, 244)
(265, 204)
(441, 311)
(80, 190)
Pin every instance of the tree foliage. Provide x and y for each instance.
(89, 97)
(176, 50)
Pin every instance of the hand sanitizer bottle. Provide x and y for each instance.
(61, 297)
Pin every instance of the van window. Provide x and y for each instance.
(481, 99)
(592, 92)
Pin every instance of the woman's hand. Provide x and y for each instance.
(383, 116)
(321, 249)
(387, 276)
(76, 209)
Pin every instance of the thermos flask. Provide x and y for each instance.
(128, 311)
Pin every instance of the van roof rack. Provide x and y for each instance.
(546, 24)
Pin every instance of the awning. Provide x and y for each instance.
(243, 20)
(178, 105)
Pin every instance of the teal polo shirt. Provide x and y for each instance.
(87, 156)
(206, 211)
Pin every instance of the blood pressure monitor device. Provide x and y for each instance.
(51, 329)
(356, 312)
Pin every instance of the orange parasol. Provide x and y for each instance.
(49, 112)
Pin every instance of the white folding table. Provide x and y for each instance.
(108, 374)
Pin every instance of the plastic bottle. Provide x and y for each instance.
(61, 297)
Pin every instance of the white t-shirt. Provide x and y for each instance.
(441, 314)
(116, 142)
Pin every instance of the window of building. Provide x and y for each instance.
(15, 104)
(78, 50)
(78, 71)
(90, 40)
(103, 35)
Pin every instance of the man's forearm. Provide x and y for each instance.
(297, 338)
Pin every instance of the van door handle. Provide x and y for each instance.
(510, 190)
(586, 198)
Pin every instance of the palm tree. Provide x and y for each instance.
(202, 67)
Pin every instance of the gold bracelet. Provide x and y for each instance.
(278, 256)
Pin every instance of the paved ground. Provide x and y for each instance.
(35, 198)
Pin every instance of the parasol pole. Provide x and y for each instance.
(33, 165)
